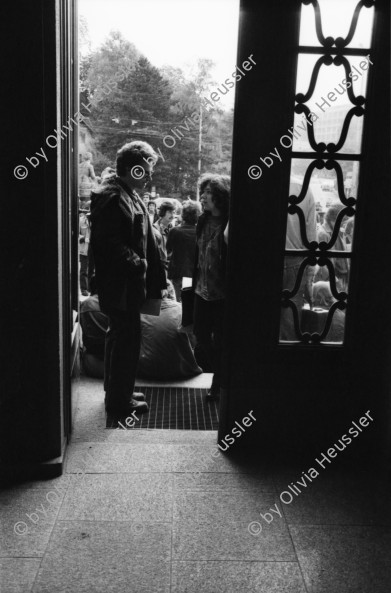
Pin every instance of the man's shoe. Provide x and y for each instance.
(138, 396)
(138, 407)
(133, 407)
(213, 393)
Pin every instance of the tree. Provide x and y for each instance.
(179, 176)
(123, 108)
(161, 107)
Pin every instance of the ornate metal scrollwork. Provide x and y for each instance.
(287, 302)
(348, 202)
(334, 52)
(312, 260)
(331, 147)
(323, 246)
(321, 164)
(328, 61)
(351, 200)
(340, 42)
(288, 294)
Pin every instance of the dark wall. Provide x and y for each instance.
(29, 392)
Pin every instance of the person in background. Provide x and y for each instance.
(324, 299)
(86, 177)
(107, 172)
(348, 235)
(292, 263)
(161, 229)
(348, 184)
(152, 211)
(319, 219)
(181, 245)
(84, 244)
(166, 352)
(127, 271)
(146, 198)
(178, 216)
(209, 275)
(341, 265)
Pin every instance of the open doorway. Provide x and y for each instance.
(164, 74)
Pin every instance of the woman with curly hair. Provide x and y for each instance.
(209, 275)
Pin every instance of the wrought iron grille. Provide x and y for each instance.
(302, 321)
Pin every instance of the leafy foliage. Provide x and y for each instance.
(160, 106)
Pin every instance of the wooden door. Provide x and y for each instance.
(304, 376)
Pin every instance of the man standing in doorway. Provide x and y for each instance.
(127, 271)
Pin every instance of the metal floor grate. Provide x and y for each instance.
(175, 408)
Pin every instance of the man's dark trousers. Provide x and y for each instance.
(122, 353)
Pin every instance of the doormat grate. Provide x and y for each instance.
(175, 408)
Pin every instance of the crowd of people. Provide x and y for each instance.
(313, 299)
(133, 250)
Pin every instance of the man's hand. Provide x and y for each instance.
(143, 265)
(164, 293)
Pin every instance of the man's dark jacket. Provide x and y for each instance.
(181, 247)
(121, 238)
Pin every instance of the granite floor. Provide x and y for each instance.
(165, 511)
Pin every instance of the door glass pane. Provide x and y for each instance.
(338, 89)
(326, 198)
(329, 113)
(312, 289)
(331, 76)
(314, 300)
(336, 18)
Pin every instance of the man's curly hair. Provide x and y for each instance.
(135, 153)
